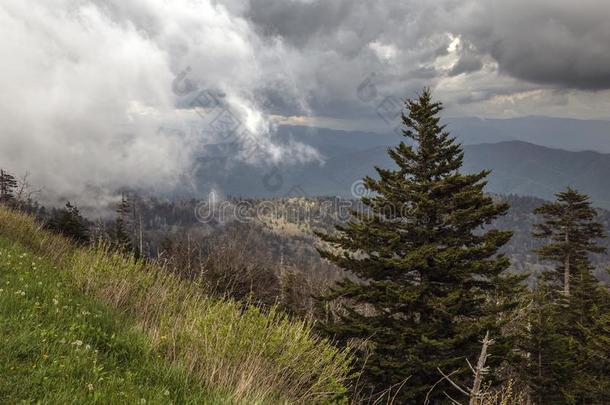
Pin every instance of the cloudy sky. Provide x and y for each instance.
(98, 94)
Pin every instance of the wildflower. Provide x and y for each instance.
(78, 343)
(166, 393)
(55, 302)
(90, 387)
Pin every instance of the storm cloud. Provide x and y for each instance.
(98, 94)
(558, 42)
(490, 49)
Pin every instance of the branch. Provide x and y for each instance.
(480, 370)
(446, 377)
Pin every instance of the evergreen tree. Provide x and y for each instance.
(431, 279)
(121, 235)
(587, 330)
(597, 343)
(548, 368)
(569, 224)
(8, 184)
(565, 368)
(69, 222)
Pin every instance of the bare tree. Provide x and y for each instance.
(25, 192)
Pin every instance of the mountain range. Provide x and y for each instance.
(548, 162)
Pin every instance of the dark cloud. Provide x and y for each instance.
(297, 21)
(112, 66)
(334, 45)
(561, 43)
(556, 42)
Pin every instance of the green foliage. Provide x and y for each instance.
(548, 367)
(567, 363)
(572, 230)
(432, 281)
(59, 346)
(245, 354)
(597, 344)
(69, 222)
(121, 235)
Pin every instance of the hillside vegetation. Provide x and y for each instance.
(89, 323)
(59, 346)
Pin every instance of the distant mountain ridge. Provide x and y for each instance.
(518, 167)
(526, 169)
(560, 133)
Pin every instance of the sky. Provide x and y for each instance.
(103, 94)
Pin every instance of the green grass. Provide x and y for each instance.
(59, 346)
(168, 335)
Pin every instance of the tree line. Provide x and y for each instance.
(68, 220)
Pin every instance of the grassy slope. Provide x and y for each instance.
(241, 355)
(59, 346)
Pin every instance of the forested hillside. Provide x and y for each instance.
(283, 228)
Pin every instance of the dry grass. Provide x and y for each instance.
(252, 356)
(505, 395)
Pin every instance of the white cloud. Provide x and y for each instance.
(87, 100)
(384, 52)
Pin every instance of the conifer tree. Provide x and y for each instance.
(597, 338)
(431, 279)
(121, 235)
(8, 184)
(566, 369)
(69, 222)
(549, 368)
(569, 224)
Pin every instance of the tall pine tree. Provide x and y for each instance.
(569, 368)
(431, 279)
(120, 231)
(569, 224)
